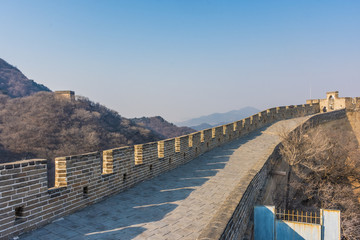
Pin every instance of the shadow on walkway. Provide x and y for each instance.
(124, 215)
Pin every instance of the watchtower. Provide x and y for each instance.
(66, 95)
(333, 102)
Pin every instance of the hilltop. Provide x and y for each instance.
(15, 84)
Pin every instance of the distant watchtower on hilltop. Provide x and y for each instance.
(67, 95)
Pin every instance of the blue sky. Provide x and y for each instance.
(186, 58)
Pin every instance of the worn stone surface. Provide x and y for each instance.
(175, 205)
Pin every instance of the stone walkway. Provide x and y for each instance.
(174, 205)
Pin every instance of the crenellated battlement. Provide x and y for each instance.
(26, 202)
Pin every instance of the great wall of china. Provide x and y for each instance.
(26, 202)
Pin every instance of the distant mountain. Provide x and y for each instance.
(162, 127)
(15, 84)
(201, 126)
(216, 119)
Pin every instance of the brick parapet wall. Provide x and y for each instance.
(22, 190)
(81, 180)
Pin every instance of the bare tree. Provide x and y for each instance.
(324, 164)
(297, 148)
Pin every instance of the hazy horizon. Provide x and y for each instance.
(186, 59)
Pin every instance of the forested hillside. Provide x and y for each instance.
(43, 126)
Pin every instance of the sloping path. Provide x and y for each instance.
(175, 205)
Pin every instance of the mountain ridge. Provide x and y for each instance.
(216, 119)
(14, 83)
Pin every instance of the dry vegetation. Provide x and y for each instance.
(42, 126)
(324, 164)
